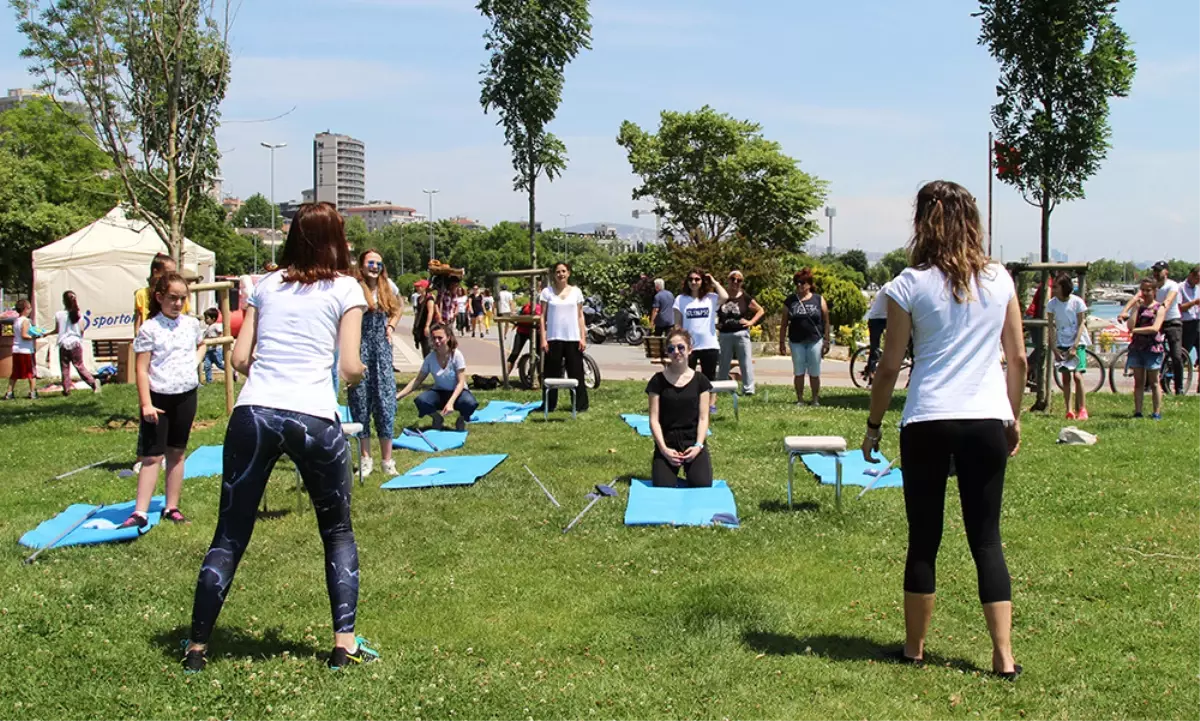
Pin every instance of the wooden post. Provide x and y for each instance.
(227, 332)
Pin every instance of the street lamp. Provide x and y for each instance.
(430, 193)
(564, 230)
(830, 212)
(274, 208)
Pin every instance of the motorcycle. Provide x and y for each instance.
(625, 325)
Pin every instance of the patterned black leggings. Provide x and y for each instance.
(254, 440)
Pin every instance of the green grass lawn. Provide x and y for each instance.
(482, 608)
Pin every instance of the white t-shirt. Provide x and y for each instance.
(171, 343)
(1187, 293)
(444, 379)
(70, 335)
(878, 310)
(297, 335)
(956, 346)
(460, 304)
(1161, 297)
(562, 314)
(506, 302)
(20, 345)
(699, 317)
(1066, 320)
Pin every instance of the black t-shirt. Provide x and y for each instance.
(731, 313)
(679, 407)
(805, 321)
(477, 303)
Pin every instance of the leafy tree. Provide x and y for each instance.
(895, 262)
(357, 234)
(620, 279)
(53, 181)
(712, 176)
(855, 259)
(1060, 62)
(205, 224)
(1178, 269)
(531, 44)
(151, 75)
(256, 212)
(878, 274)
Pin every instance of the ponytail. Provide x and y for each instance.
(71, 305)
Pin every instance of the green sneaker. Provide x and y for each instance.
(341, 658)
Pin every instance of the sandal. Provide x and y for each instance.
(1010, 675)
(175, 516)
(900, 657)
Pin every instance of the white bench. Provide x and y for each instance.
(826, 446)
(549, 384)
(730, 387)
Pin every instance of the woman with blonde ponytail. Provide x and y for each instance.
(962, 406)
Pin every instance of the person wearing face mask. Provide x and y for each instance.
(375, 397)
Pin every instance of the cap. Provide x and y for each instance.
(421, 283)
(1159, 266)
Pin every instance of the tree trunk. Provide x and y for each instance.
(1043, 372)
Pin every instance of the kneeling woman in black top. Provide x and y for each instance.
(679, 399)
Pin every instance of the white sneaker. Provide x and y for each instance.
(365, 465)
(800, 404)
(389, 468)
(816, 403)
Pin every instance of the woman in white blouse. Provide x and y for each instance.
(563, 333)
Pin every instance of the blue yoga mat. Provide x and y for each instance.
(447, 471)
(204, 461)
(100, 528)
(444, 440)
(344, 414)
(504, 412)
(853, 470)
(641, 423)
(650, 506)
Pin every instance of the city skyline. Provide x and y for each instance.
(876, 100)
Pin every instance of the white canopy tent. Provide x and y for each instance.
(105, 263)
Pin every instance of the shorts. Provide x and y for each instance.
(174, 426)
(1074, 362)
(22, 367)
(1147, 359)
(806, 359)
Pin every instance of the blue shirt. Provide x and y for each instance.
(664, 301)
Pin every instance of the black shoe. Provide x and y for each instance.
(438, 422)
(341, 658)
(193, 661)
(461, 424)
(1010, 675)
(899, 656)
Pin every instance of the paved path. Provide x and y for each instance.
(617, 361)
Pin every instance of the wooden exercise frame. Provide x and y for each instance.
(1044, 376)
(514, 318)
(222, 289)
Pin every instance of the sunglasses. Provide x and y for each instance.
(681, 348)
(733, 279)
(373, 265)
(694, 279)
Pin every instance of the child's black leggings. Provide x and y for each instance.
(254, 440)
(980, 452)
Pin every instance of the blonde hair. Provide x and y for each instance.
(948, 235)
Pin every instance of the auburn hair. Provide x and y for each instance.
(383, 299)
(161, 287)
(948, 235)
(71, 305)
(316, 245)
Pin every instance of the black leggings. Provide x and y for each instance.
(566, 354)
(697, 473)
(707, 360)
(979, 449)
(254, 440)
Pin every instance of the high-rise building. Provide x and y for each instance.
(339, 170)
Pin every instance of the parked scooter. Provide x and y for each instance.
(625, 325)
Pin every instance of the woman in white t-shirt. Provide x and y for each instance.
(962, 407)
(70, 343)
(449, 393)
(23, 348)
(296, 318)
(696, 312)
(564, 334)
(1067, 315)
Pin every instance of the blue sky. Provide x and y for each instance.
(874, 96)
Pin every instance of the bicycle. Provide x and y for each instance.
(1122, 382)
(863, 354)
(591, 371)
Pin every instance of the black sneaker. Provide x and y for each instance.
(460, 424)
(193, 661)
(438, 422)
(341, 658)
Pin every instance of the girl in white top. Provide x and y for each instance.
(296, 318)
(68, 328)
(22, 357)
(962, 407)
(1067, 315)
(449, 393)
(168, 348)
(564, 334)
(696, 312)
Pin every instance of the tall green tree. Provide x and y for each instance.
(151, 75)
(531, 43)
(256, 212)
(713, 176)
(855, 259)
(895, 262)
(53, 181)
(205, 224)
(1060, 63)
